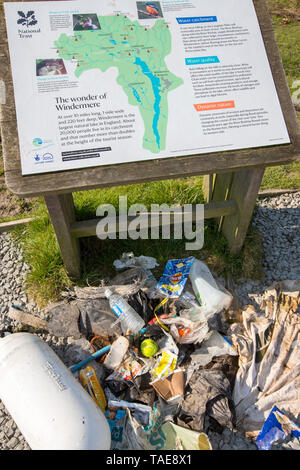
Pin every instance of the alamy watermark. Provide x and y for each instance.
(162, 221)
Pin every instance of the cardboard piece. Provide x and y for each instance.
(170, 388)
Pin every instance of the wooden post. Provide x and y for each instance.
(241, 187)
(62, 214)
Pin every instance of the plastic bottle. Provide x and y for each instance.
(129, 318)
(117, 352)
(210, 297)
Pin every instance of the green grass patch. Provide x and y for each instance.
(282, 177)
(180, 191)
(287, 37)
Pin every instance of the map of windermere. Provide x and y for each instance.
(139, 55)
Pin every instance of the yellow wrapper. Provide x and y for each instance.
(166, 365)
(89, 381)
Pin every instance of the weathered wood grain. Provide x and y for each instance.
(6, 226)
(243, 189)
(62, 214)
(87, 228)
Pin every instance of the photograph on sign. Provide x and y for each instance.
(102, 83)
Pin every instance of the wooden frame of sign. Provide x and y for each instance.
(231, 183)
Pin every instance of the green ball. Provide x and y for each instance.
(148, 347)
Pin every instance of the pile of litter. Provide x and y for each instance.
(172, 362)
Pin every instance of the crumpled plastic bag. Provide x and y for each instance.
(213, 345)
(277, 426)
(123, 436)
(211, 297)
(96, 318)
(128, 260)
(269, 357)
(161, 435)
(208, 393)
(185, 331)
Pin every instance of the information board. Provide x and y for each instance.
(100, 83)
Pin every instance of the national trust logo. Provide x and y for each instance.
(28, 19)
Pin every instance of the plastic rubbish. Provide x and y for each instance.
(185, 331)
(89, 381)
(187, 300)
(165, 365)
(179, 438)
(88, 359)
(277, 426)
(194, 314)
(175, 276)
(227, 364)
(98, 342)
(127, 315)
(51, 408)
(62, 319)
(123, 436)
(210, 297)
(117, 352)
(96, 318)
(165, 435)
(213, 345)
(129, 260)
(208, 394)
(141, 304)
(128, 370)
(116, 419)
(139, 411)
(166, 360)
(269, 358)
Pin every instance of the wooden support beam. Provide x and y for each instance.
(62, 214)
(6, 226)
(87, 228)
(244, 189)
(241, 187)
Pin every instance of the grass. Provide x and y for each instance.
(282, 177)
(48, 276)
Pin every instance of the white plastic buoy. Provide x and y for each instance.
(51, 409)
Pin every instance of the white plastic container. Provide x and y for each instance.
(117, 352)
(210, 297)
(51, 409)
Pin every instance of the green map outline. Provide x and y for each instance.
(139, 54)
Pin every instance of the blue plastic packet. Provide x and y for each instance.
(277, 426)
(116, 425)
(175, 276)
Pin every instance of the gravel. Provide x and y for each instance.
(277, 219)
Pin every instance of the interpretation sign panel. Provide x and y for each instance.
(100, 83)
